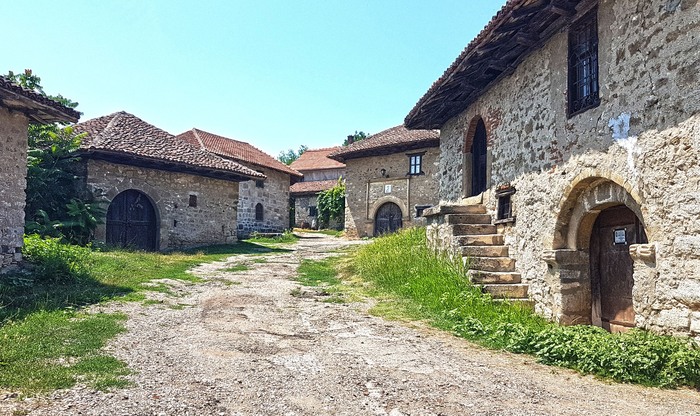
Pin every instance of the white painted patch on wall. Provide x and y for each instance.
(621, 135)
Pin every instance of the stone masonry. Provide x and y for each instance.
(640, 147)
(13, 171)
(274, 197)
(212, 221)
(367, 189)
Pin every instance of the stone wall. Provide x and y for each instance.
(367, 190)
(274, 197)
(13, 172)
(212, 221)
(640, 147)
(302, 218)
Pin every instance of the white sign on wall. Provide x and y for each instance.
(387, 189)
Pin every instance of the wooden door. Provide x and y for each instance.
(388, 219)
(131, 221)
(479, 159)
(612, 279)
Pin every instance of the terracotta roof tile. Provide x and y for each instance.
(395, 139)
(125, 134)
(313, 187)
(317, 159)
(43, 109)
(234, 149)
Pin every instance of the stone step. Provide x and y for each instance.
(468, 219)
(454, 209)
(489, 264)
(473, 229)
(482, 277)
(484, 251)
(481, 240)
(517, 291)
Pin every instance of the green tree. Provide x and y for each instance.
(289, 156)
(331, 204)
(57, 205)
(359, 135)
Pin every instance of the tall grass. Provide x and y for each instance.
(436, 289)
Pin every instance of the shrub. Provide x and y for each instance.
(55, 261)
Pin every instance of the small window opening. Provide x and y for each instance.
(415, 164)
(259, 184)
(583, 64)
(174, 223)
(193, 200)
(420, 209)
(505, 206)
(258, 212)
(313, 211)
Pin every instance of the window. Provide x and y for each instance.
(258, 212)
(193, 200)
(313, 211)
(504, 212)
(583, 64)
(415, 162)
(259, 184)
(420, 209)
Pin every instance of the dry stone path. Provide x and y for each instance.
(251, 348)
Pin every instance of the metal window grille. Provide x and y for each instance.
(504, 207)
(583, 64)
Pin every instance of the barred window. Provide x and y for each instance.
(583, 64)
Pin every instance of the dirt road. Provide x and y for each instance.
(240, 344)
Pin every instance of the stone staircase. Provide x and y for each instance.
(484, 252)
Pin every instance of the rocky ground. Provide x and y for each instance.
(241, 344)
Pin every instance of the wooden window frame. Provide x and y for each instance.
(415, 164)
(583, 78)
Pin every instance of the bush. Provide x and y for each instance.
(402, 265)
(55, 261)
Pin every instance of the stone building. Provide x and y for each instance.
(320, 174)
(569, 149)
(18, 108)
(263, 205)
(161, 192)
(391, 177)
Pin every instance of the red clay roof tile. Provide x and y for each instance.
(317, 159)
(313, 187)
(395, 139)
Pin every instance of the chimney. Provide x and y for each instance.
(351, 139)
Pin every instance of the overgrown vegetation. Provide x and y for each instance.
(48, 342)
(331, 204)
(425, 286)
(322, 275)
(287, 237)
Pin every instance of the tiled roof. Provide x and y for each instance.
(123, 134)
(38, 107)
(317, 159)
(395, 139)
(302, 188)
(234, 149)
(517, 29)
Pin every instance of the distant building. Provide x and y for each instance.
(320, 174)
(263, 205)
(163, 193)
(390, 178)
(18, 108)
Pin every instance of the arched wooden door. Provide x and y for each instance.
(612, 278)
(388, 219)
(131, 221)
(479, 159)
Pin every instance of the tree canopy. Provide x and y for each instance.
(352, 138)
(289, 156)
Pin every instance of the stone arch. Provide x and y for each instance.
(383, 200)
(259, 212)
(107, 196)
(590, 193)
(133, 220)
(476, 167)
(471, 131)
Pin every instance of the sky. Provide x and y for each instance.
(276, 74)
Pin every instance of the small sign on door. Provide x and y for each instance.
(620, 236)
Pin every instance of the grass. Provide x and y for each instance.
(287, 237)
(236, 268)
(332, 233)
(47, 341)
(323, 276)
(411, 282)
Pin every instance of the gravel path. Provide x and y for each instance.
(253, 349)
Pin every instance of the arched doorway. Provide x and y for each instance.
(612, 267)
(132, 222)
(479, 159)
(388, 219)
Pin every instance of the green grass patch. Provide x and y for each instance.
(237, 268)
(286, 237)
(422, 285)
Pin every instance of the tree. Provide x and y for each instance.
(331, 204)
(352, 138)
(57, 205)
(289, 156)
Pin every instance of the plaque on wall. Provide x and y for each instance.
(387, 189)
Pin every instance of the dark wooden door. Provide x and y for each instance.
(479, 159)
(131, 221)
(612, 279)
(388, 219)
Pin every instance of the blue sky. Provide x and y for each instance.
(277, 74)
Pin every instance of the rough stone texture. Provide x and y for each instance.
(274, 196)
(363, 179)
(212, 221)
(301, 211)
(640, 147)
(13, 171)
